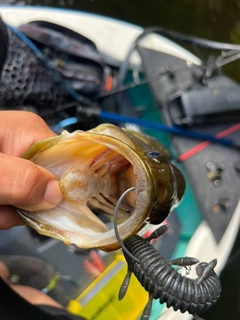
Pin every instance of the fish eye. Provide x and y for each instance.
(153, 154)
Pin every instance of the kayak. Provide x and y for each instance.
(156, 86)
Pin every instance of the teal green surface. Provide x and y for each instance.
(187, 211)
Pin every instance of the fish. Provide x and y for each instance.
(94, 168)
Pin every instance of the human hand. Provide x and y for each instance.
(4, 272)
(30, 294)
(22, 183)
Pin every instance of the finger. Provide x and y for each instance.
(26, 185)
(4, 272)
(20, 130)
(9, 218)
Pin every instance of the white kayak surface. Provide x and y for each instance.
(112, 37)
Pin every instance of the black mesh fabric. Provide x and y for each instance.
(26, 81)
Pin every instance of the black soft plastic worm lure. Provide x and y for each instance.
(164, 282)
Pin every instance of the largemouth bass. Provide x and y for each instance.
(94, 168)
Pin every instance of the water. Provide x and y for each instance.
(213, 19)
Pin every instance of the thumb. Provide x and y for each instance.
(26, 185)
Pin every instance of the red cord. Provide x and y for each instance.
(204, 144)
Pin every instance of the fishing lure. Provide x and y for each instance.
(161, 280)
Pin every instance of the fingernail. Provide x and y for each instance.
(53, 194)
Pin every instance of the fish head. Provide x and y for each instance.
(169, 183)
(94, 168)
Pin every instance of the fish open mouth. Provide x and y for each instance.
(116, 175)
(94, 169)
(91, 185)
(96, 182)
